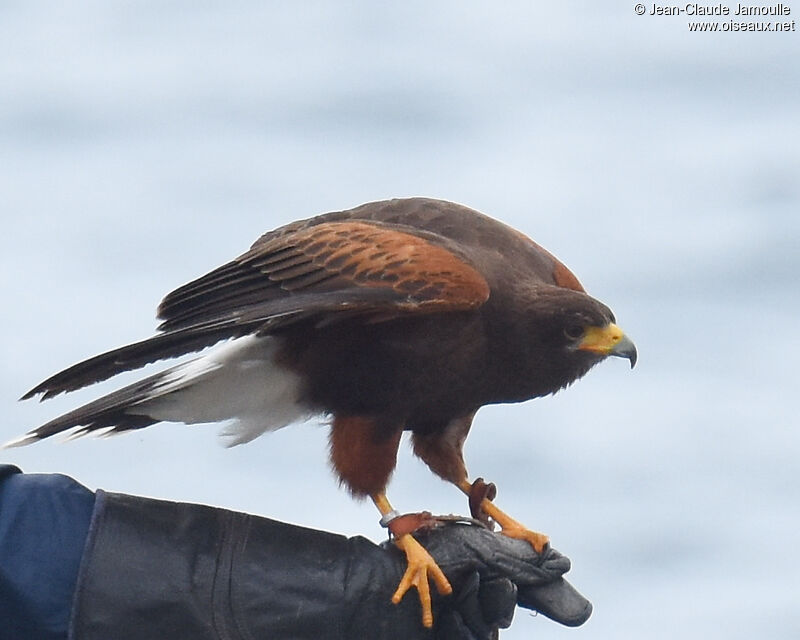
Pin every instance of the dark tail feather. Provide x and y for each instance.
(132, 356)
(109, 411)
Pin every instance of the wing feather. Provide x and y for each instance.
(331, 272)
(330, 256)
(262, 318)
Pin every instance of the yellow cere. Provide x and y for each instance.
(601, 339)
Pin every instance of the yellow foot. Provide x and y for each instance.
(509, 526)
(513, 529)
(421, 566)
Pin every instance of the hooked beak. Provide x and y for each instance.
(609, 341)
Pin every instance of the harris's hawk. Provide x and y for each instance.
(402, 315)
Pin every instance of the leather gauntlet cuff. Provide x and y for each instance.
(156, 569)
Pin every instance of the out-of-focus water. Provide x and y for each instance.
(143, 144)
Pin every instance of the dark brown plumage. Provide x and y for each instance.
(398, 315)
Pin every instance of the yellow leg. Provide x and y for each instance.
(509, 526)
(421, 566)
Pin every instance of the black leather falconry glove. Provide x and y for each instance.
(158, 570)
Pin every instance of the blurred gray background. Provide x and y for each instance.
(142, 144)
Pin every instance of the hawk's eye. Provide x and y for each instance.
(573, 331)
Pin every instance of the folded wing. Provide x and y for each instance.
(323, 273)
